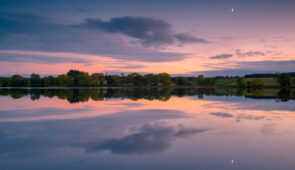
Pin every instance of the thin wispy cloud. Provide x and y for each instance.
(249, 53)
(222, 56)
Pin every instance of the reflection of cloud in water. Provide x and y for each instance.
(249, 117)
(149, 139)
(242, 103)
(25, 137)
(237, 118)
(220, 114)
(189, 132)
(17, 113)
(268, 129)
(127, 104)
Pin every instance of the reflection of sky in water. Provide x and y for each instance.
(181, 133)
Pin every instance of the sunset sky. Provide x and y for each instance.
(180, 37)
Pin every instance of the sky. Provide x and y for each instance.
(179, 37)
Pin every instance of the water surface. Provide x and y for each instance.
(147, 129)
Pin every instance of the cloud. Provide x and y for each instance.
(249, 53)
(239, 54)
(223, 115)
(23, 17)
(45, 34)
(230, 72)
(251, 67)
(41, 59)
(149, 139)
(276, 66)
(127, 66)
(222, 56)
(150, 31)
(187, 38)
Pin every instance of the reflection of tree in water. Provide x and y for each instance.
(19, 93)
(257, 92)
(35, 94)
(241, 91)
(162, 94)
(284, 95)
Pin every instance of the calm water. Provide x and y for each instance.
(185, 129)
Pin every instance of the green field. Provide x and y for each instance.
(233, 81)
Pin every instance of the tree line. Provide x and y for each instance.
(76, 78)
(264, 75)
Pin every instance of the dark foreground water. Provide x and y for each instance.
(155, 129)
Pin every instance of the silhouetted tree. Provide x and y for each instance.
(75, 75)
(83, 79)
(241, 82)
(136, 79)
(64, 80)
(182, 81)
(284, 79)
(95, 80)
(164, 79)
(4, 82)
(18, 81)
(49, 81)
(35, 80)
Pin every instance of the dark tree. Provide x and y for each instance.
(49, 81)
(284, 95)
(284, 79)
(164, 79)
(83, 79)
(241, 82)
(4, 82)
(75, 75)
(181, 81)
(64, 80)
(136, 79)
(200, 80)
(95, 79)
(18, 81)
(35, 80)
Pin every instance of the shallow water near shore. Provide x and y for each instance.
(147, 128)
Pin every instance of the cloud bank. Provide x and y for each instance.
(94, 36)
(150, 31)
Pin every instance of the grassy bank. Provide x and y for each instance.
(270, 81)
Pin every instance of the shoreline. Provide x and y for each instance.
(170, 87)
